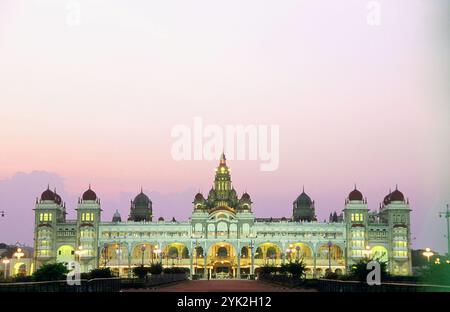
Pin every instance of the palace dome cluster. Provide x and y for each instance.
(223, 238)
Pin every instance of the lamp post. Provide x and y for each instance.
(446, 215)
(252, 257)
(329, 255)
(5, 262)
(105, 253)
(19, 253)
(78, 253)
(143, 250)
(367, 251)
(2, 213)
(297, 248)
(157, 252)
(119, 255)
(428, 253)
(289, 251)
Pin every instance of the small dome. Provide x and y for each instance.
(48, 195)
(117, 217)
(89, 194)
(141, 198)
(386, 199)
(58, 199)
(303, 200)
(355, 195)
(160, 219)
(199, 197)
(396, 196)
(245, 197)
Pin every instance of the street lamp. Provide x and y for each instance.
(78, 252)
(157, 252)
(329, 255)
(19, 253)
(119, 255)
(143, 250)
(5, 262)
(2, 213)
(428, 253)
(252, 257)
(367, 251)
(289, 251)
(105, 252)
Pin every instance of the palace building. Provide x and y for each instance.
(223, 238)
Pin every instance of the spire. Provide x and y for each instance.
(142, 190)
(89, 185)
(355, 185)
(303, 188)
(223, 159)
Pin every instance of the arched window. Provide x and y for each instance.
(222, 252)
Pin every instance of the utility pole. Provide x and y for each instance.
(446, 215)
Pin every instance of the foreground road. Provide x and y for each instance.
(221, 286)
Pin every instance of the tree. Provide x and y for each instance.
(296, 269)
(359, 270)
(51, 272)
(140, 271)
(155, 268)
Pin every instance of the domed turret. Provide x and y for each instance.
(89, 194)
(58, 199)
(199, 201)
(303, 200)
(116, 217)
(303, 208)
(396, 196)
(355, 195)
(48, 195)
(141, 208)
(245, 202)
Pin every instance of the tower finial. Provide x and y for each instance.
(89, 185)
(48, 186)
(396, 187)
(355, 185)
(303, 188)
(142, 189)
(223, 159)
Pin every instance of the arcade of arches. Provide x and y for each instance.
(221, 259)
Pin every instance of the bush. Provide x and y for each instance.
(268, 269)
(175, 270)
(331, 275)
(100, 273)
(51, 272)
(140, 271)
(435, 274)
(155, 269)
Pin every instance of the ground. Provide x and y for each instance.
(221, 286)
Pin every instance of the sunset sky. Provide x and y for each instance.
(95, 102)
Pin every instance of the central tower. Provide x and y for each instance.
(222, 193)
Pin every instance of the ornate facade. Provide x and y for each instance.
(223, 238)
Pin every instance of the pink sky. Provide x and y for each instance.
(95, 103)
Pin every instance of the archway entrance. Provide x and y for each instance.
(222, 261)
